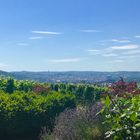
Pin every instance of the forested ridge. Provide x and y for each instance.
(74, 76)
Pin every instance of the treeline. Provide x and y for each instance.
(85, 93)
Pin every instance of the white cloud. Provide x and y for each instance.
(94, 53)
(3, 65)
(90, 31)
(125, 47)
(46, 32)
(35, 37)
(116, 61)
(66, 60)
(110, 54)
(128, 56)
(22, 44)
(93, 50)
(137, 36)
(120, 40)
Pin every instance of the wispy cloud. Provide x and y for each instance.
(110, 55)
(66, 60)
(125, 47)
(22, 44)
(90, 31)
(116, 61)
(120, 40)
(35, 37)
(137, 36)
(46, 32)
(92, 50)
(123, 40)
(3, 65)
(129, 56)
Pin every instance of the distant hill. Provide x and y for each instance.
(74, 76)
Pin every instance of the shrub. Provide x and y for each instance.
(23, 114)
(124, 118)
(122, 113)
(77, 124)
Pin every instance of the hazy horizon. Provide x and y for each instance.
(68, 71)
(72, 35)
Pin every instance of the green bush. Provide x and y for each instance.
(123, 117)
(23, 114)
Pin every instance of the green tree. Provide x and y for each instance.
(10, 85)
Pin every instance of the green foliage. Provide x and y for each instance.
(123, 117)
(26, 113)
(9, 85)
(85, 93)
(25, 86)
(9, 88)
(27, 106)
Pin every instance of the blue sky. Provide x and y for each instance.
(63, 35)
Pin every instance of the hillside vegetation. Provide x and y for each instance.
(58, 111)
